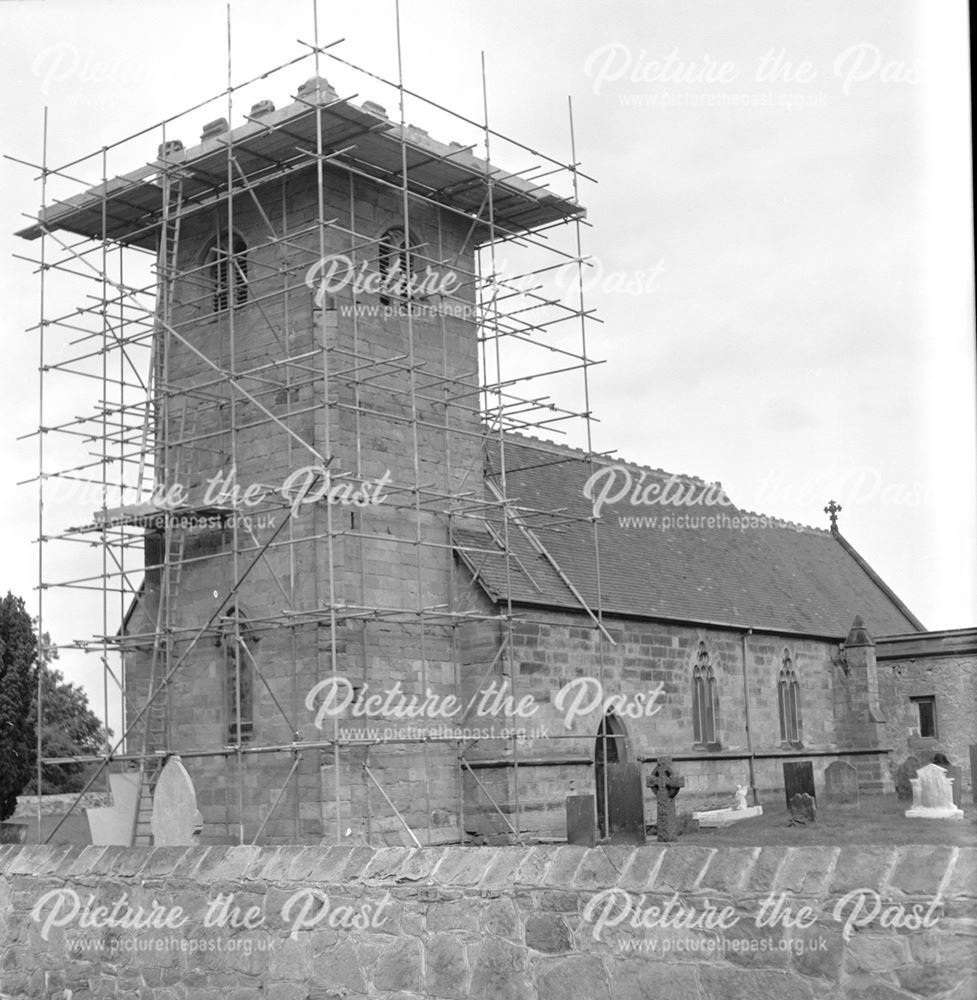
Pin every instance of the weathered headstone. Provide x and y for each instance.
(933, 795)
(665, 783)
(582, 820)
(955, 774)
(803, 809)
(176, 818)
(934, 787)
(798, 779)
(904, 775)
(841, 783)
(625, 803)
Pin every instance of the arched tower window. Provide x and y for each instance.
(227, 273)
(788, 697)
(239, 643)
(705, 700)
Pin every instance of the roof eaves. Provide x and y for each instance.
(615, 613)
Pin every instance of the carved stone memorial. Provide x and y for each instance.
(735, 813)
(740, 798)
(841, 783)
(955, 774)
(933, 795)
(665, 782)
(803, 809)
(176, 819)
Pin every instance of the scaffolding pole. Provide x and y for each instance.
(155, 405)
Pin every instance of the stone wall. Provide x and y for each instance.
(393, 556)
(646, 654)
(952, 681)
(511, 923)
(558, 650)
(57, 805)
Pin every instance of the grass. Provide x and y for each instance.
(877, 819)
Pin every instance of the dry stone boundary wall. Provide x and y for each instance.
(503, 923)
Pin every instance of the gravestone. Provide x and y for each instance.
(904, 775)
(798, 779)
(973, 772)
(625, 803)
(933, 795)
(841, 783)
(582, 820)
(731, 814)
(803, 809)
(665, 782)
(176, 818)
(956, 774)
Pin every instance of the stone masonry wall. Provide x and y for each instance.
(952, 681)
(57, 805)
(385, 424)
(511, 923)
(558, 650)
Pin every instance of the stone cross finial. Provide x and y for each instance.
(665, 783)
(832, 510)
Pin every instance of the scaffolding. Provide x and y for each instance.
(212, 369)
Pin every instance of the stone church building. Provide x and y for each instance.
(416, 627)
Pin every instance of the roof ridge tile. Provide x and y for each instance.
(600, 457)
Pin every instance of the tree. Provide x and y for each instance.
(69, 728)
(18, 665)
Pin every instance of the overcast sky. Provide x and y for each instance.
(781, 227)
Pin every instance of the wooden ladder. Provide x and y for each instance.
(155, 734)
(155, 739)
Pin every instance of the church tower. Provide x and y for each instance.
(315, 429)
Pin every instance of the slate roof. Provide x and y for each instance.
(772, 576)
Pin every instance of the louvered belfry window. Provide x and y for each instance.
(227, 273)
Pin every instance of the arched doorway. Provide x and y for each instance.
(611, 747)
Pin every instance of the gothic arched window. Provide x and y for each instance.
(705, 700)
(788, 698)
(227, 273)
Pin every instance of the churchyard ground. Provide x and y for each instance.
(877, 819)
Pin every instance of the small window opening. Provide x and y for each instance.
(227, 273)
